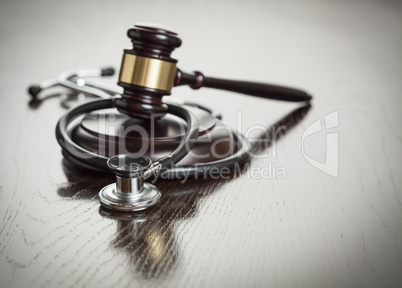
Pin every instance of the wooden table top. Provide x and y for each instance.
(321, 206)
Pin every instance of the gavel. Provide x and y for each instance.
(148, 73)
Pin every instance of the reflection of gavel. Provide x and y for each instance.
(149, 237)
(150, 244)
(148, 73)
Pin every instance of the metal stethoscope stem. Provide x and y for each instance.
(130, 192)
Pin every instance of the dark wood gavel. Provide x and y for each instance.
(148, 73)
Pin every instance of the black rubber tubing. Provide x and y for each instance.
(99, 162)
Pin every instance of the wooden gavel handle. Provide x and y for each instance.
(268, 91)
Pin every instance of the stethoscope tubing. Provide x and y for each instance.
(81, 155)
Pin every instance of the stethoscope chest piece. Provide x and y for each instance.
(129, 193)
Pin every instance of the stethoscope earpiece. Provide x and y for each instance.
(130, 193)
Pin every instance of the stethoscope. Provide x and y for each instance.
(147, 74)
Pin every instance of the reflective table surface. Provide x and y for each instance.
(319, 204)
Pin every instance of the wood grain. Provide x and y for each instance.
(305, 229)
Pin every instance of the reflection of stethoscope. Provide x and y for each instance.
(147, 74)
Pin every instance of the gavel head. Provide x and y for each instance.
(147, 71)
